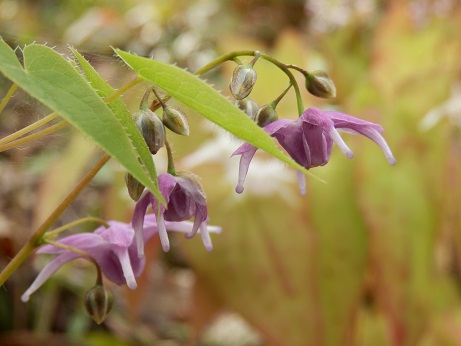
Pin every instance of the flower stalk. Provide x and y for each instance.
(36, 238)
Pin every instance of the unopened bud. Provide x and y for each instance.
(152, 130)
(98, 303)
(135, 188)
(176, 120)
(248, 106)
(265, 115)
(242, 82)
(319, 84)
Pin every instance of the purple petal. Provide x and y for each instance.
(347, 122)
(138, 221)
(47, 271)
(247, 152)
(192, 189)
(82, 241)
(376, 137)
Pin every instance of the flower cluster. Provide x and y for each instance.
(309, 140)
(118, 250)
(113, 248)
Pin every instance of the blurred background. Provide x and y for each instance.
(373, 257)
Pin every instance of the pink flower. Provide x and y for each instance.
(184, 198)
(113, 249)
(309, 140)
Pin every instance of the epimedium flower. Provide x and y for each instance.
(309, 140)
(184, 199)
(113, 248)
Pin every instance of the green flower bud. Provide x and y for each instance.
(135, 188)
(176, 120)
(152, 129)
(242, 82)
(265, 115)
(98, 303)
(319, 84)
(248, 106)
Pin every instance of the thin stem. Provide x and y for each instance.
(226, 57)
(160, 101)
(35, 239)
(34, 136)
(280, 65)
(8, 96)
(277, 100)
(292, 78)
(171, 168)
(297, 68)
(50, 117)
(55, 232)
(29, 128)
(124, 88)
(81, 252)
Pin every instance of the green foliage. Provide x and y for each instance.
(206, 101)
(50, 78)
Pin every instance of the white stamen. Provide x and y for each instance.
(301, 182)
(334, 135)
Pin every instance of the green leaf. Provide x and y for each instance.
(206, 101)
(52, 80)
(122, 113)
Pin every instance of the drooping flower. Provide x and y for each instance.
(184, 199)
(113, 248)
(309, 140)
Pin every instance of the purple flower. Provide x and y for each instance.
(184, 199)
(113, 249)
(309, 140)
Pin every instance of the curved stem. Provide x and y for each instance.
(81, 252)
(124, 88)
(171, 168)
(35, 239)
(51, 234)
(48, 118)
(280, 65)
(8, 96)
(34, 136)
(29, 128)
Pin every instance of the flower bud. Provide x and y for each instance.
(98, 303)
(319, 84)
(242, 82)
(135, 188)
(176, 120)
(265, 115)
(248, 106)
(152, 130)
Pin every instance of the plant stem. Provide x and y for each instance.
(34, 136)
(35, 239)
(8, 96)
(51, 234)
(171, 168)
(29, 128)
(81, 252)
(124, 88)
(48, 118)
(280, 65)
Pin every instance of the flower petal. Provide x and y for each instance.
(247, 152)
(127, 269)
(47, 271)
(138, 221)
(301, 182)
